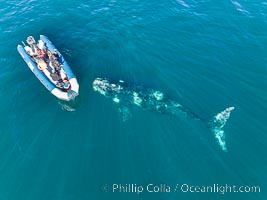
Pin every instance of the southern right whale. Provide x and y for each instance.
(153, 100)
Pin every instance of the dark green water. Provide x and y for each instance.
(206, 55)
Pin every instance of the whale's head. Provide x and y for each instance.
(104, 87)
(101, 85)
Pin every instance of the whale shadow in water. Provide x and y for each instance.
(126, 95)
(69, 106)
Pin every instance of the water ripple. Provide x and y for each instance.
(239, 7)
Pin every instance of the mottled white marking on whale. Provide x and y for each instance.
(116, 100)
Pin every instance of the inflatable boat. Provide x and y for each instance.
(49, 66)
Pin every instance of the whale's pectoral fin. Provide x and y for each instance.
(125, 113)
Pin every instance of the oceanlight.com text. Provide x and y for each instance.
(216, 188)
(181, 188)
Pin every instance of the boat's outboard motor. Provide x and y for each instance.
(31, 41)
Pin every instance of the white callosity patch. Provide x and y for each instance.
(158, 95)
(99, 86)
(137, 99)
(177, 105)
(103, 86)
(219, 122)
(116, 99)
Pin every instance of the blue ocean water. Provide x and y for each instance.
(207, 55)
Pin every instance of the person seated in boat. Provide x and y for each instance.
(55, 76)
(42, 65)
(54, 62)
(66, 82)
(56, 54)
(41, 54)
(61, 83)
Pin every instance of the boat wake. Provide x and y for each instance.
(239, 7)
(217, 125)
(181, 2)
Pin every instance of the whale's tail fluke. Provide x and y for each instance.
(217, 124)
